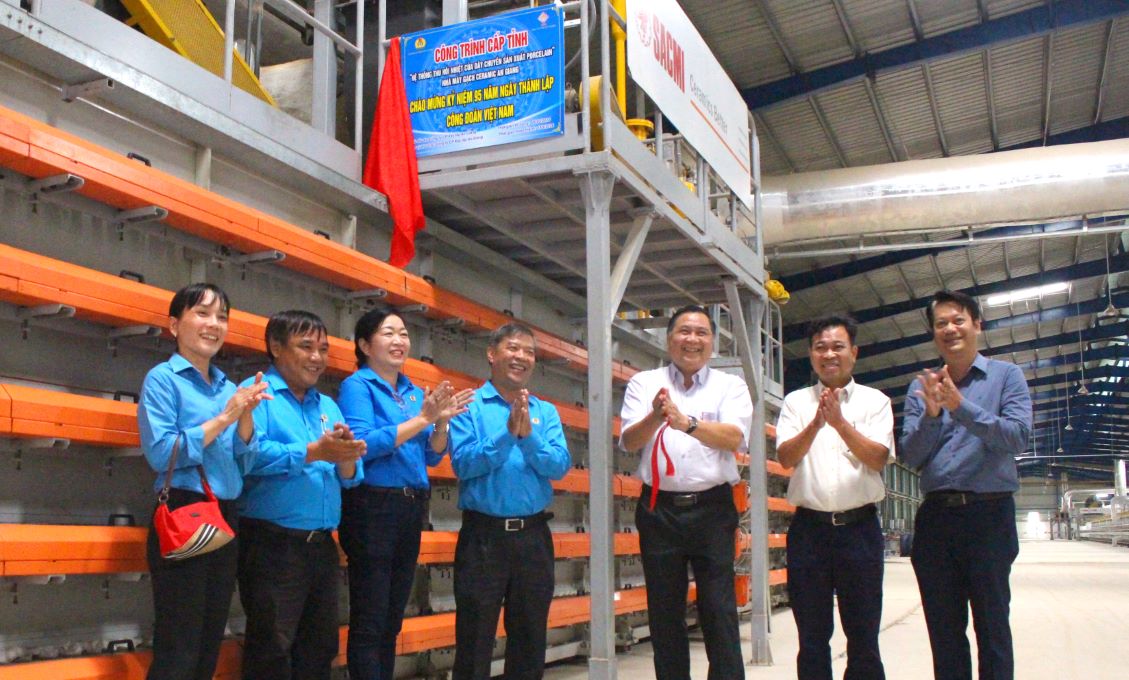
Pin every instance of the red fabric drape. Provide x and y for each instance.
(391, 164)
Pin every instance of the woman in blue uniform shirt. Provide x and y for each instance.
(405, 429)
(188, 399)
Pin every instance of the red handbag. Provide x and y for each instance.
(193, 529)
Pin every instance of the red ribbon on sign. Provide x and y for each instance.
(659, 444)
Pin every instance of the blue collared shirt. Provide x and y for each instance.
(373, 411)
(281, 487)
(499, 474)
(175, 399)
(972, 448)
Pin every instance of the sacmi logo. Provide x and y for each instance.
(668, 53)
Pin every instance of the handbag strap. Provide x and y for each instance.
(163, 495)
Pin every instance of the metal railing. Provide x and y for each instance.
(324, 100)
(1107, 524)
(772, 329)
(682, 161)
(712, 191)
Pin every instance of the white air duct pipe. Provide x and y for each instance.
(1027, 185)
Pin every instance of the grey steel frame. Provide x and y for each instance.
(665, 199)
(325, 59)
(79, 35)
(68, 39)
(97, 57)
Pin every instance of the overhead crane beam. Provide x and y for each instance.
(1110, 129)
(1059, 313)
(803, 280)
(1092, 334)
(1083, 270)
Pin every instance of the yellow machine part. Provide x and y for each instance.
(776, 292)
(189, 29)
(594, 99)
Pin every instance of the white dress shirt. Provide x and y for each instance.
(830, 478)
(714, 397)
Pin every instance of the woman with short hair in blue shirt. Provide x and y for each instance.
(188, 401)
(405, 429)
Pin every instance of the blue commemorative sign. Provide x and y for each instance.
(486, 82)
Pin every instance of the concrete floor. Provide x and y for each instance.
(1070, 611)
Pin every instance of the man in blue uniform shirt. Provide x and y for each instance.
(505, 450)
(964, 425)
(291, 503)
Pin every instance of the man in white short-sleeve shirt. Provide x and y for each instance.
(688, 420)
(837, 435)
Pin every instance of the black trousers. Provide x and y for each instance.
(701, 536)
(380, 533)
(191, 602)
(288, 587)
(826, 561)
(493, 566)
(962, 556)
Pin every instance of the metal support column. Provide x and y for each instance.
(228, 39)
(596, 188)
(323, 117)
(454, 12)
(203, 172)
(747, 337)
(628, 257)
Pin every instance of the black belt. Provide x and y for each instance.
(506, 523)
(303, 535)
(841, 518)
(680, 499)
(954, 499)
(406, 491)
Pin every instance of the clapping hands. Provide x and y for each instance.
(938, 391)
(246, 399)
(444, 403)
(830, 409)
(665, 407)
(519, 423)
(336, 446)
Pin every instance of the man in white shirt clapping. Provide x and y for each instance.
(838, 436)
(688, 420)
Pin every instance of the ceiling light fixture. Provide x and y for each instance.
(1110, 311)
(1058, 434)
(1069, 427)
(1027, 294)
(1082, 391)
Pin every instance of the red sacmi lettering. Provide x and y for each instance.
(668, 53)
(446, 53)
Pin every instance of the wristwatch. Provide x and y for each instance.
(692, 426)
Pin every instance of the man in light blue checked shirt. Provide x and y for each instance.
(291, 503)
(505, 450)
